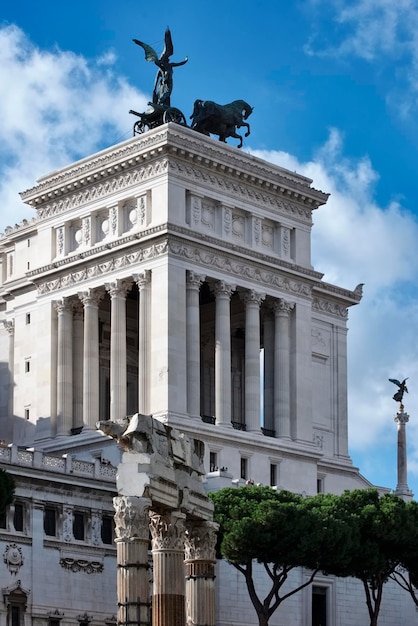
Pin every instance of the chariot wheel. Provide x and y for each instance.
(174, 115)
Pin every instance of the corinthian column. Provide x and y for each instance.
(168, 599)
(200, 542)
(252, 359)
(143, 280)
(402, 489)
(132, 539)
(90, 299)
(269, 372)
(78, 332)
(118, 376)
(64, 367)
(282, 368)
(193, 342)
(223, 294)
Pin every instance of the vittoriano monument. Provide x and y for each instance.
(401, 418)
(207, 117)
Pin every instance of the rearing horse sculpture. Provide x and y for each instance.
(221, 119)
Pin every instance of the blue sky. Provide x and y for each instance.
(334, 88)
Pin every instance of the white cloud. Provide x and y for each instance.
(60, 107)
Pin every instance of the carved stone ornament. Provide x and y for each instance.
(167, 531)
(131, 518)
(75, 563)
(200, 541)
(13, 558)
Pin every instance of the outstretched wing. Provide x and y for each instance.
(395, 382)
(169, 49)
(150, 54)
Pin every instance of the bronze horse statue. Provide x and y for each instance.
(221, 119)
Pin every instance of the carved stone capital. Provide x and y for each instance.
(194, 280)
(167, 530)
(142, 279)
(118, 287)
(9, 325)
(131, 518)
(200, 541)
(222, 289)
(64, 305)
(252, 297)
(91, 297)
(282, 307)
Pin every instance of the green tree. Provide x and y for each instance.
(379, 538)
(7, 489)
(279, 530)
(406, 575)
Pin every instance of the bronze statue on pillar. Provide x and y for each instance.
(401, 418)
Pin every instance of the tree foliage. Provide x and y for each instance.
(7, 489)
(281, 531)
(379, 538)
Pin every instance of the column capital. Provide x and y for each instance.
(91, 296)
(167, 530)
(252, 297)
(282, 307)
(118, 287)
(200, 541)
(142, 279)
(131, 518)
(194, 280)
(221, 288)
(401, 417)
(64, 305)
(9, 325)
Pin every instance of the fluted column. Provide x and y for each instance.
(143, 280)
(132, 540)
(90, 299)
(78, 332)
(252, 359)
(282, 368)
(269, 371)
(168, 599)
(64, 367)
(223, 294)
(118, 373)
(200, 542)
(193, 284)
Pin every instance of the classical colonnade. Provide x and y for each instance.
(183, 566)
(78, 354)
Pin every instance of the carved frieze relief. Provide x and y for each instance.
(326, 306)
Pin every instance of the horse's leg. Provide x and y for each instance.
(236, 136)
(247, 125)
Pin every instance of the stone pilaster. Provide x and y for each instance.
(282, 368)
(193, 284)
(90, 299)
(64, 311)
(252, 359)
(223, 294)
(132, 540)
(200, 542)
(9, 325)
(143, 280)
(168, 599)
(118, 367)
(268, 371)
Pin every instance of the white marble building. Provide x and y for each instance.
(169, 275)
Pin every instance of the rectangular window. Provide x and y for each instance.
(273, 474)
(15, 615)
(50, 522)
(244, 468)
(107, 529)
(27, 366)
(3, 518)
(320, 485)
(27, 414)
(213, 461)
(18, 517)
(319, 606)
(27, 318)
(78, 526)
